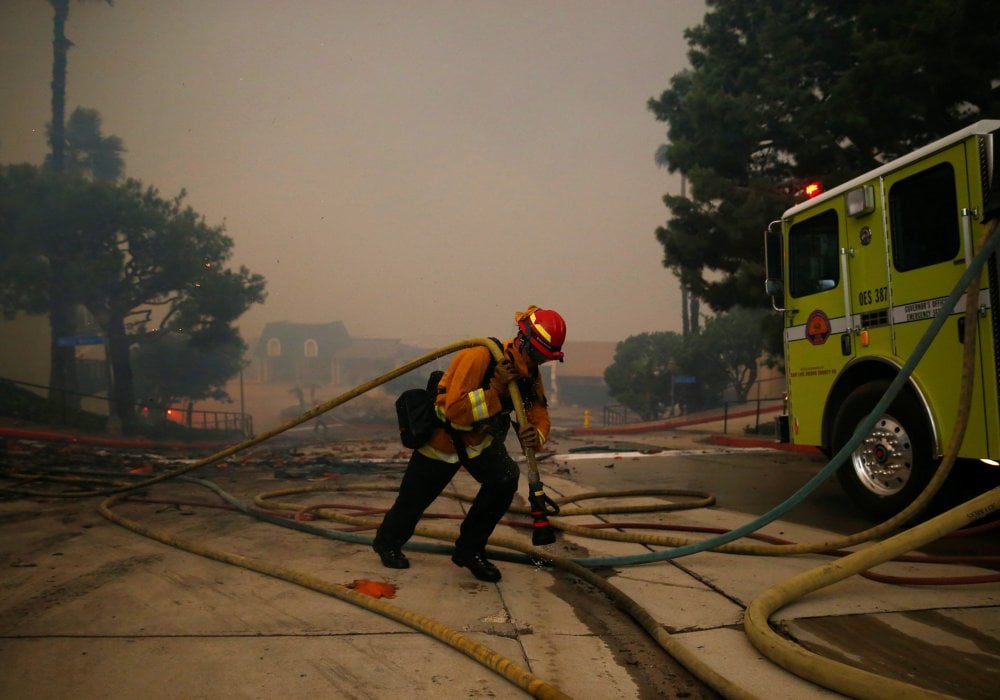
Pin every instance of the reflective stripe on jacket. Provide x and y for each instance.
(466, 406)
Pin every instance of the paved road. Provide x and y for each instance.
(749, 480)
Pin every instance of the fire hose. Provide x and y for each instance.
(757, 626)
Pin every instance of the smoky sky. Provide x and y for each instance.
(417, 170)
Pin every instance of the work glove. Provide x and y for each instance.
(528, 437)
(503, 373)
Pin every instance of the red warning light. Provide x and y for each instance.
(812, 189)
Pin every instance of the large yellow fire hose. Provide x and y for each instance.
(828, 673)
(817, 669)
(821, 671)
(478, 652)
(482, 654)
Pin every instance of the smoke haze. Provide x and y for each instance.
(417, 170)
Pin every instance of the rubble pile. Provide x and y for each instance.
(283, 459)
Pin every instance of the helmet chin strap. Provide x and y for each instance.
(521, 342)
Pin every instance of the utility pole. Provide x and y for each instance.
(685, 319)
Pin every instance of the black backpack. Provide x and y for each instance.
(415, 413)
(415, 410)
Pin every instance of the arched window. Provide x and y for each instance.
(311, 348)
(273, 347)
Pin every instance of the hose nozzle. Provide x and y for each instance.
(542, 507)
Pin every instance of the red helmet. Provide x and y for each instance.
(545, 330)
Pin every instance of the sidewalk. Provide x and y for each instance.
(93, 610)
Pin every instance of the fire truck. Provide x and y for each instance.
(858, 273)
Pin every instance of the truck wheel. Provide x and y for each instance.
(894, 463)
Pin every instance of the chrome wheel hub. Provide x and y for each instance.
(883, 461)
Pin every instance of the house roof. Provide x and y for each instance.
(330, 337)
(584, 358)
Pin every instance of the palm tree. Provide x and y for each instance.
(87, 152)
(62, 375)
(60, 50)
(60, 57)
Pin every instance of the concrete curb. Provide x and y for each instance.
(672, 424)
(731, 441)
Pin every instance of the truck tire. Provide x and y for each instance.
(894, 463)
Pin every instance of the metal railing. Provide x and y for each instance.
(146, 413)
(615, 415)
(618, 415)
(198, 419)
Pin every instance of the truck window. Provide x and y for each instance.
(812, 255)
(923, 211)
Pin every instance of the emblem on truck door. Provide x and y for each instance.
(817, 327)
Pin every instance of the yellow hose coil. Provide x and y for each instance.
(478, 652)
(831, 674)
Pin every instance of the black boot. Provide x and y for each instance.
(479, 565)
(392, 557)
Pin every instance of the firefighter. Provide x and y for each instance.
(473, 405)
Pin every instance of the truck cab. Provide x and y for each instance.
(858, 273)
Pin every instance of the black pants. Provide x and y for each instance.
(424, 480)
